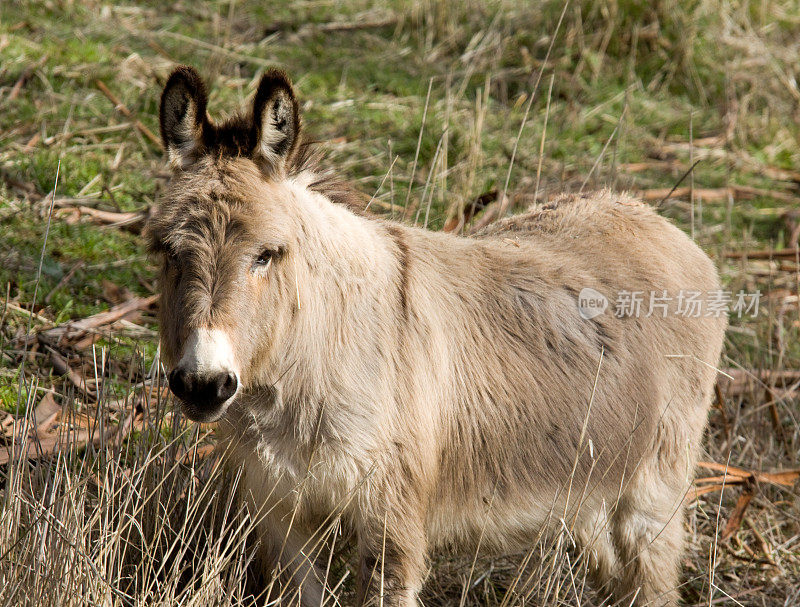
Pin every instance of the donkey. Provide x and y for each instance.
(423, 390)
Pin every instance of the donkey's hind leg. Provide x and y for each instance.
(593, 534)
(648, 521)
(647, 532)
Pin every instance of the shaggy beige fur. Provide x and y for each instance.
(429, 391)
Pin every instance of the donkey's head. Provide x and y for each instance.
(227, 234)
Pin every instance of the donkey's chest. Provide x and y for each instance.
(325, 471)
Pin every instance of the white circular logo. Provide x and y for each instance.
(591, 303)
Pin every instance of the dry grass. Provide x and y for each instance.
(434, 108)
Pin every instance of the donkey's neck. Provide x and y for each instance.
(344, 350)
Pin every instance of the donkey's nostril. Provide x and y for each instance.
(180, 383)
(227, 386)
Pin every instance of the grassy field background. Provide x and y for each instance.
(428, 106)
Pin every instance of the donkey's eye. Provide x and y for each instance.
(266, 256)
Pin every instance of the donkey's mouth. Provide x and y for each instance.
(205, 413)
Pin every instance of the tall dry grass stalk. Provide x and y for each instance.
(142, 522)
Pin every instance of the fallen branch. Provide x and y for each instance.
(215, 48)
(493, 212)
(24, 77)
(765, 547)
(714, 194)
(781, 174)
(72, 331)
(61, 367)
(123, 109)
(348, 26)
(456, 224)
(100, 217)
(744, 380)
(65, 279)
(732, 476)
(31, 143)
(361, 22)
(764, 254)
(638, 167)
(110, 217)
(46, 413)
(664, 193)
(736, 518)
(11, 307)
(746, 191)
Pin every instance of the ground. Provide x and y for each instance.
(433, 108)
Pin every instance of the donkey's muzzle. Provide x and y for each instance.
(202, 394)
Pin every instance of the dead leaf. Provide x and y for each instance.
(46, 413)
(735, 520)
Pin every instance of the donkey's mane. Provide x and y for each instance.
(236, 137)
(308, 158)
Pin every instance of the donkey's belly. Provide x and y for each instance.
(501, 527)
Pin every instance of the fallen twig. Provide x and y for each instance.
(348, 26)
(677, 183)
(64, 280)
(73, 330)
(123, 109)
(110, 218)
(11, 307)
(493, 212)
(456, 224)
(765, 547)
(745, 380)
(764, 254)
(732, 476)
(61, 367)
(637, 167)
(712, 194)
(24, 77)
(735, 520)
(46, 413)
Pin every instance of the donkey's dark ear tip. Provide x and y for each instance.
(183, 73)
(185, 77)
(275, 74)
(272, 81)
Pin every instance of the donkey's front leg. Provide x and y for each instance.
(287, 563)
(392, 553)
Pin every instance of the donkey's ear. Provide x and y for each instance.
(182, 116)
(276, 117)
